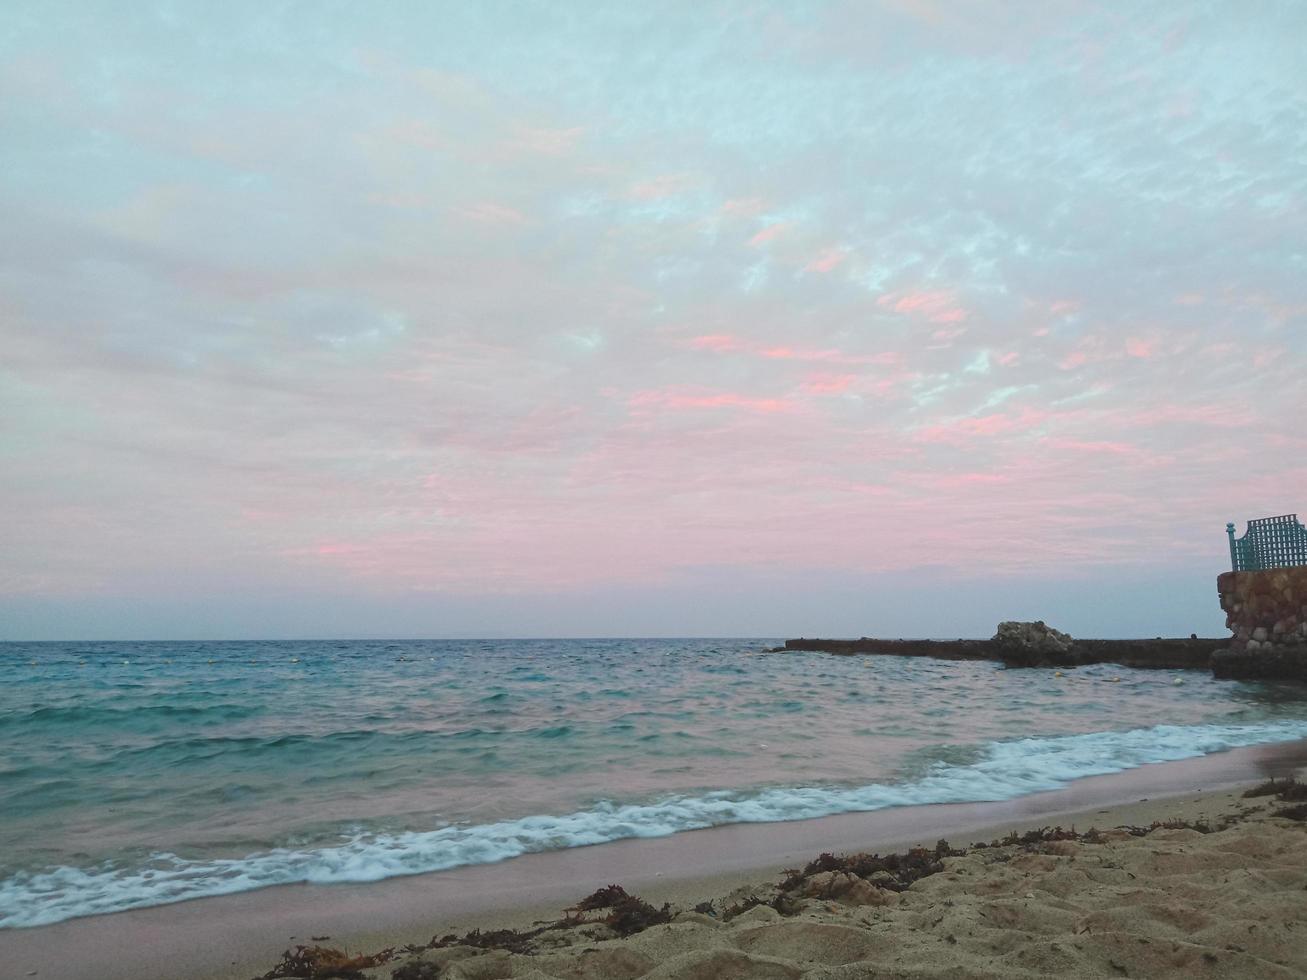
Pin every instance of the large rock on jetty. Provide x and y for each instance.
(1033, 643)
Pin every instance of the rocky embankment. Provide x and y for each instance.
(1033, 645)
(1267, 612)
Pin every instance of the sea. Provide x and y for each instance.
(138, 774)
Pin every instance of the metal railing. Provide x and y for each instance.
(1269, 542)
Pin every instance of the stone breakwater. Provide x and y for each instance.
(1267, 612)
(1162, 654)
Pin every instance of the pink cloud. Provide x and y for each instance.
(1092, 446)
(1136, 347)
(827, 384)
(826, 260)
(1063, 306)
(792, 354)
(1077, 358)
(729, 343)
(945, 338)
(935, 305)
(748, 206)
(717, 342)
(983, 426)
(678, 399)
(769, 233)
(664, 185)
(1010, 358)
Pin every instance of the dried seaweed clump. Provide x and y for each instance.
(1283, 789)
(894, 872)
(325, 963)
(1044, 835)
(1286, 791)
(627, 914)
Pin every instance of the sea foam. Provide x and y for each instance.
(1006, 769)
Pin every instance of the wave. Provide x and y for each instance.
(1004, 770)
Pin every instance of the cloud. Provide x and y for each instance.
(481, 301)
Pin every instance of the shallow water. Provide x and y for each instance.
(137, 774)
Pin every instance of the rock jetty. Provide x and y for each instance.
(1032, 644)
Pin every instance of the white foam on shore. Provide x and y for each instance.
(1007, 770)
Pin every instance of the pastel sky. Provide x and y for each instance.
(491, 318)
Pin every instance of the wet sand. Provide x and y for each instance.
(243, 935)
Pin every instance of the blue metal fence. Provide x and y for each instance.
(1270, 542)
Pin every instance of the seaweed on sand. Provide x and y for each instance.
(1298, 812)
(1293, 791)
(1273, 787)
(325, 963)
(627, 914)
(1044, 835)
(895, 872)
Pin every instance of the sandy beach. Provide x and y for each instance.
(1174, 902)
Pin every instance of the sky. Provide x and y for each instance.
(717, 318)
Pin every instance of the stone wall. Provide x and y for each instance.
(1267, 611)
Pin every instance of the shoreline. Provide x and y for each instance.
(239, 936)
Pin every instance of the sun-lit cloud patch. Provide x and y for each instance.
(934, 305)
(770, 233)
(828, 384)
(719, 343)
(963, 430)
(827, 260)
(678, 399)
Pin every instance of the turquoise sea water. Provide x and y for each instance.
(136, 774)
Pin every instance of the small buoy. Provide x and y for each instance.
(1116, 680)
(1178, 681)
(210, 661)
(294, 660)
(126, 663)
(1058, 673)
(33, 663)
(762, 745)
(81, 663)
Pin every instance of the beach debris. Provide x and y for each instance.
(325, 963)
(894, 872)
(627, 913)
(1286, 789)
